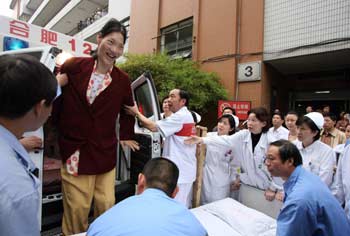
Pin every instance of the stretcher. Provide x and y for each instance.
(231, 218)
(250, 215)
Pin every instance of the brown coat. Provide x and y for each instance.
(92, 128)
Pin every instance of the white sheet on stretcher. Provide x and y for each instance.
(230, 218)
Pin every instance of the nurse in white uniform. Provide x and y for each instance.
(318, 157)
(221, 167)
(250, 146)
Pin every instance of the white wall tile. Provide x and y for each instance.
(294, 23)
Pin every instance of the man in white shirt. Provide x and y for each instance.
(175, 129)
(277, 131)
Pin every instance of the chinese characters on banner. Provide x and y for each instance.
(241, 108)
(38, 36)
(19, 28)
(49, 37)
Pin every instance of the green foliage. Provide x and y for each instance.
(168, 73)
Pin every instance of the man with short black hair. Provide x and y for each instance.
(153, 211)
(326, 109)
(309, 207)
(27, 90)
(331, 135)
(228, 110)
(175, 129)
(277, 131)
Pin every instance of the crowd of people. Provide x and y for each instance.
(304, 164)
(94, 17)
(308, 146)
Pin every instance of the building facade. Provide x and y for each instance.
(284, 54)
(278, 54)
(307, 42)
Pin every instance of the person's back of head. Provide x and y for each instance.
(159, 173)
(24, 82)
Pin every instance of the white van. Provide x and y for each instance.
(129, 163)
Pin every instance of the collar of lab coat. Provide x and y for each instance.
(261, 144)
(309, 148)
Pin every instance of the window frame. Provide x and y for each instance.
(180, 50)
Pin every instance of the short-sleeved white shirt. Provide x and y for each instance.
(280, 133)
(183, 155)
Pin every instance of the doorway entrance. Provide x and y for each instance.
(337, 100)
(335, 106)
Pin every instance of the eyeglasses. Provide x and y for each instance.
(269, 159)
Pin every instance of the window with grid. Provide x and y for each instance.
(176, 39)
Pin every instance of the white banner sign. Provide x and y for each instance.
(40, 36)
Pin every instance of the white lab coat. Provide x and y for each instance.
(253, 169)
(220, 170)
(318, 158)
(339, 150)
(341, 185)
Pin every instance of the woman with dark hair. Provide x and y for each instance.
(220, 167)
(165, 108)
(292, 122)
(249, 146)
(93, 96)
(318, 157)
(342, 122)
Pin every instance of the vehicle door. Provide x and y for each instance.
(145, 96)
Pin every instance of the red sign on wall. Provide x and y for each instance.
(241, 108)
